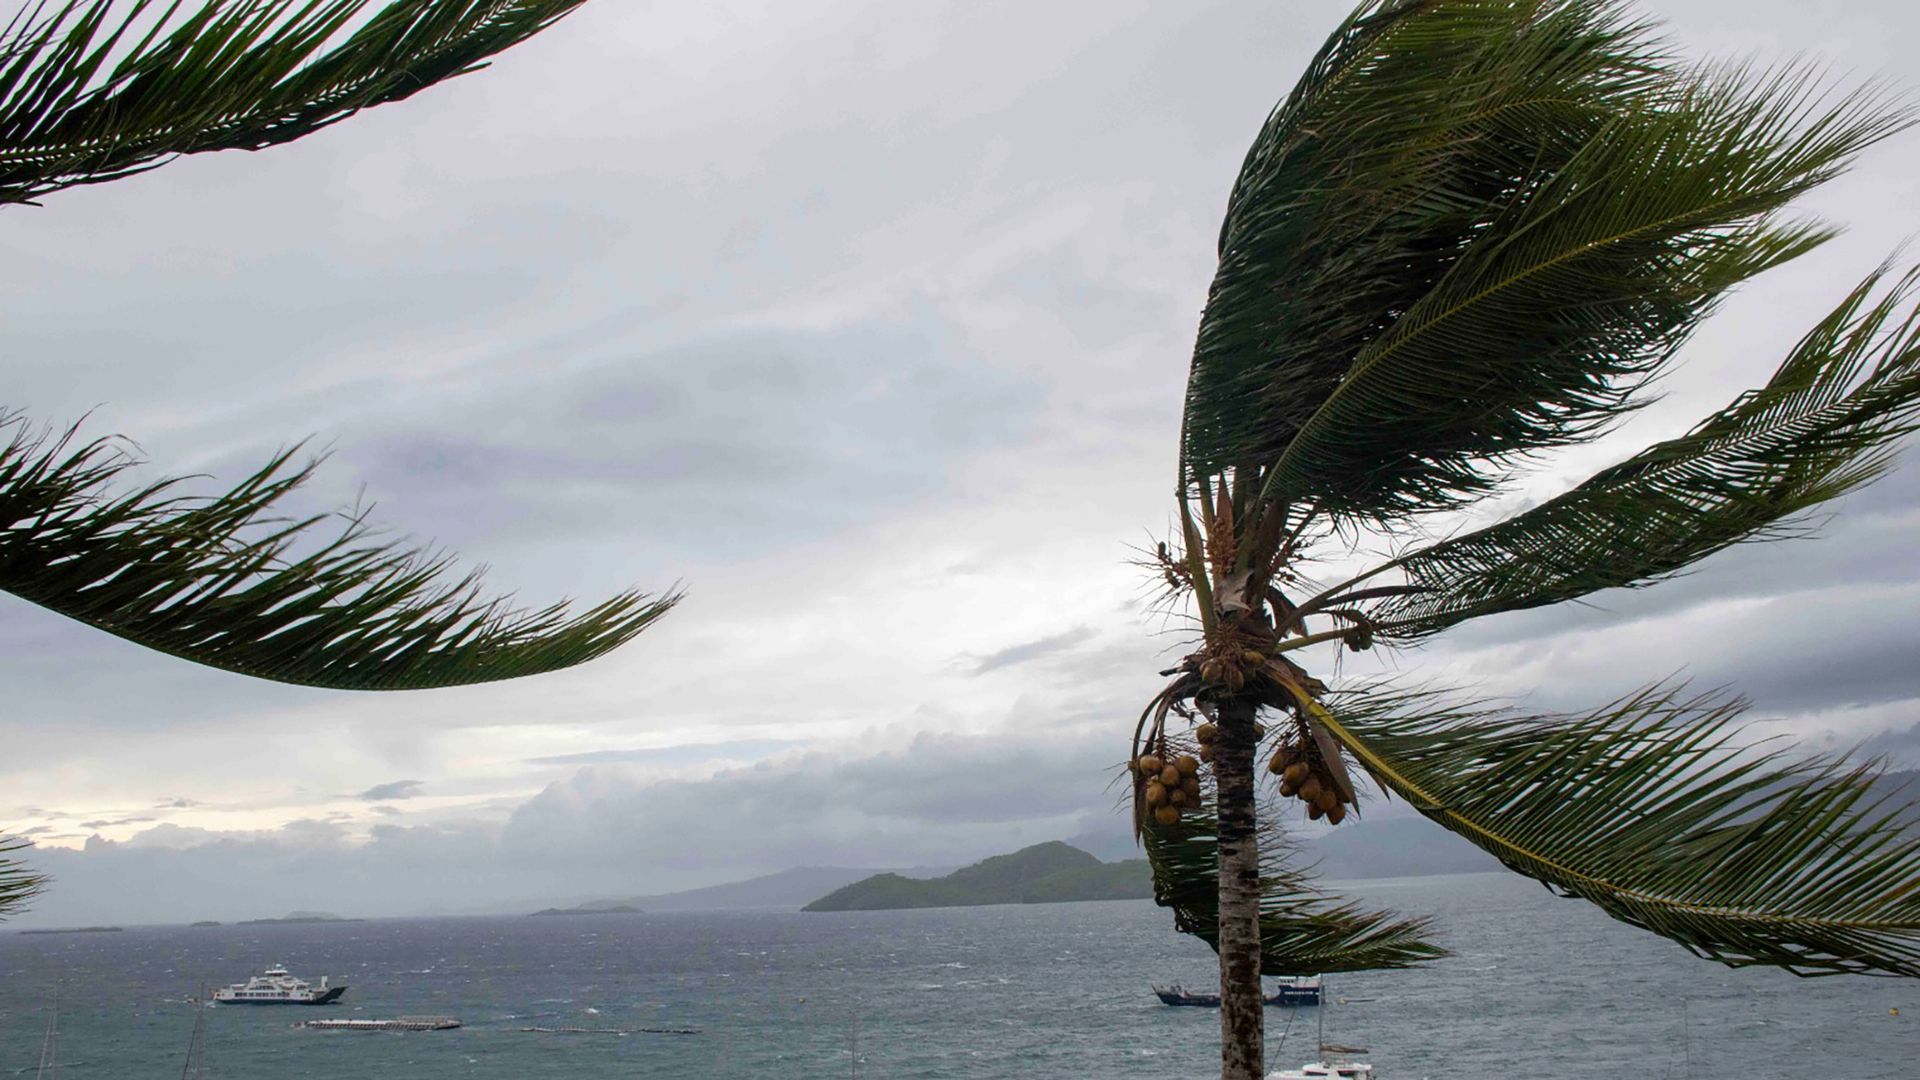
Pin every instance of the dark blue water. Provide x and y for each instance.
(1539, 988)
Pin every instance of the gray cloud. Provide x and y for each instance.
(613, 831)
(669, 755)
(397, 789)
(1032, 650)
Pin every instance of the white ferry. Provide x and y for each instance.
(276, 987)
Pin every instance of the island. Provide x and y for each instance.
(207, 922)
(1049, 873)
(78, 930)
(614, 909)
(298, 918)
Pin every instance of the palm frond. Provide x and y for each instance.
(93, 90)
(218, 581)
(1823, 425)
(1301, 930)
(18, 884)
(1650, 810)
(1474, 231)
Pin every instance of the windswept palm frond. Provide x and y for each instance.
(218, 580)
(93, 90)
(1301, 930)
(1361, 189)
(18, 884)
(1822, 426)
(1650, 810)
(1474, 231)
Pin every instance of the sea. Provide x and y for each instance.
(1537, 987)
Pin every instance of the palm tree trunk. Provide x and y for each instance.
(1242, 1012)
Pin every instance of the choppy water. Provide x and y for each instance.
(1539, 988)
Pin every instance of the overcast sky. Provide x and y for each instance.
(866, 321)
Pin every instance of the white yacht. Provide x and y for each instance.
(275, 986)
(1328, 1068)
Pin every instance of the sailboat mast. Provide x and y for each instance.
(1320, 1018)
(50, 1043)
(196, 1066)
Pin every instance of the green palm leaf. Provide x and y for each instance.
(93, 90)
(1301, 930)
(1822, 426)
(1648, 809)
(17, 883)
(1474, 231)
(219, 581)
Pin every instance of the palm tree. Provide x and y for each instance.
(96, 90)
(1474, 232)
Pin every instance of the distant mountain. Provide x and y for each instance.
(786, 890)
(1046, 873)
(609, 909)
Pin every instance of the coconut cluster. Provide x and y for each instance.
(1304, 776)
(1206, 733)
(1172, 785)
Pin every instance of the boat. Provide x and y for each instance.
(1288, 991)
(275, 986)
(1333, 1065)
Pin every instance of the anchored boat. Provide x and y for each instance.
(275, 986)
(1288, 991)
(1333, 1065)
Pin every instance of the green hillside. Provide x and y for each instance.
(1042, 874)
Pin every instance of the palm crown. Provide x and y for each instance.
(1474, 232)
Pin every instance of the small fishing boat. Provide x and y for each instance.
(1288, 991)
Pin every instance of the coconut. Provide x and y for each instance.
(1298, 772)
(1206, 732)
(1336, 815)
(1289, 788)
(1327, 799)
(1187, 764)
(1150, 765)
(1310, 788)
(1179, 797)
(1170, 776)
(1156, 793)
(1167, 815)
(1191, 785)
(1279, 763)
(1236, 680)
(1314, 813)
(1206, 753)
(1253, 658)
(1210, 671)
